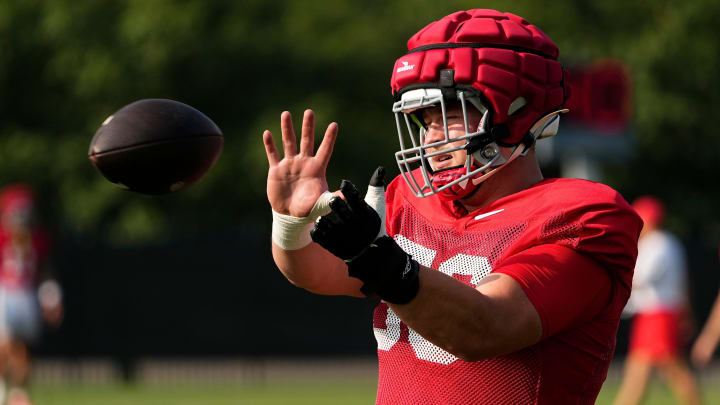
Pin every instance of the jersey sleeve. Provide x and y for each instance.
(600, 224)
(565, 286)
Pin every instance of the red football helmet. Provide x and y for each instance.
(495, 62)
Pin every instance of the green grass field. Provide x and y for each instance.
(311, 392)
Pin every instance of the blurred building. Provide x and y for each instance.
(597, 129)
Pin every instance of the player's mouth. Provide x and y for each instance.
(442, 161)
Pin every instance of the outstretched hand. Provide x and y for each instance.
(297, 180)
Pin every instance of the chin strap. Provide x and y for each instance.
(545, 127)
(548, 125)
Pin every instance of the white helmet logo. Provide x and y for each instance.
(405, 67)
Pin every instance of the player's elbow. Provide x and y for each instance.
(306, 283)
(471, 345)
(490, 343)
(471, 356)
(325, 286)
(475, 352)
(296, 283)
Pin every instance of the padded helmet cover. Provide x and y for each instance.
(501, 55)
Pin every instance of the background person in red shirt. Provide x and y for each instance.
(27, 294)
(498, 286)
(660, 305)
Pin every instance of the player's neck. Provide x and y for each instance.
(520, 174)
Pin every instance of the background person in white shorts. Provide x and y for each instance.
(660, 306)
(27, 295)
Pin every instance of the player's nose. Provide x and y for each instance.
(434, 133)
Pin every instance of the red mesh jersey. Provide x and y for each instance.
(559, 239)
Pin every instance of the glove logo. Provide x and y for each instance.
(408, 267)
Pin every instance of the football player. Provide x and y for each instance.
(27, 294)
(661, 309)
(497, 286)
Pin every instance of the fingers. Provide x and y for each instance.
(378, 178)
(351, 194)
(272, 153)
(324, 225)
(319, 231)
(339, 215)
(341, 208)
(326, 147)
(329, 220)
(288, 134)
(307, 137)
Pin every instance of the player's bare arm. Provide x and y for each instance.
(295, 182)
(472, 323)
(707, 341)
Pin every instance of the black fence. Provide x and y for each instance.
(219, 294)
(216, 294)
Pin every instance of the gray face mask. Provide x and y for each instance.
(485, 156)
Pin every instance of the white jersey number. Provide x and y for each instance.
(461, 264)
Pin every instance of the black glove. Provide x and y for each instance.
(386, 270)
(350, 227)
(349, 232)
(378, 177)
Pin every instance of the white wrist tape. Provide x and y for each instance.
(293, 233)
(375, 198)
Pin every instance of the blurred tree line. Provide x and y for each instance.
(65, 65)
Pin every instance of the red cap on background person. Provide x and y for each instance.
(16, 205)
(15, 196)
(651, 210)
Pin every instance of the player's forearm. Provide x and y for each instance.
(447, 313)
(711, 330)
(465, 321)
(316, 270)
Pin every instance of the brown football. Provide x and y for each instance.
(156, 146)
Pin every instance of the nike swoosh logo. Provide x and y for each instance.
(487, 214)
